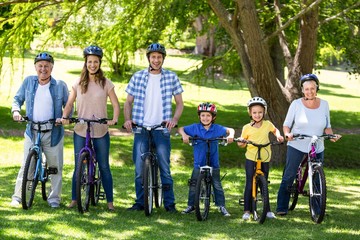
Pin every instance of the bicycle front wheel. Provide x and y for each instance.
(202, 197)
(30, 180)
(260, 202)
(82, 183)
(158, 191)
(317, 200)
(294, 194)
(148, 186)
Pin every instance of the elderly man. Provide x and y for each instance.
(45, 98)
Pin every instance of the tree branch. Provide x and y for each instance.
(293, 19)
(339, 14)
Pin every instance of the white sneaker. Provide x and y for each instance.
(224, 212)
(270, 215)
(14, 203)
(54, 205)
(246, 216)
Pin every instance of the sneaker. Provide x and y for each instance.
(188, 210)
(270, 215)
(54, 205)
(224, 212)
(136, 207)
(246, 216)
(281, 213)
(171, 209)
(14, 203)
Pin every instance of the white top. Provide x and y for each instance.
(43, 104)
(303, 120)
(153, 107)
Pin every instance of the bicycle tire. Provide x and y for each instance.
(30, 180)
(158, 193)
(148, 186)
(260, 205)
(45, 186)
(97, 188)
(317, 201)
(82, 183)
(202, 197)
(294, 194)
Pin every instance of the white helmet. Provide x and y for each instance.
(256, 101)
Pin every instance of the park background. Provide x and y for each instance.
(215, 78)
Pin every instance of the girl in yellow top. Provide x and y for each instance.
(256, 131)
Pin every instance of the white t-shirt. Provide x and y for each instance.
(43, 104)
(153, 107)
(303, 120)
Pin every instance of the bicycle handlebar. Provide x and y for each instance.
(150, 128)
(325, 136)
(84, 120)
(256, 144)
(26, 119)
(223, 140)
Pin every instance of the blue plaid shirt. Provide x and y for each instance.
(169, 86)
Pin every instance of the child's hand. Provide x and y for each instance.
(280, 138)
(230, 139)
(241, 142)
(185, 138)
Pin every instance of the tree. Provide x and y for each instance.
(255, 44)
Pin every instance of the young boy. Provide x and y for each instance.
(256, 131)
(206, 129)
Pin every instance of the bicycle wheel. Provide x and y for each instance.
(158, 193)
(202, 197)
(294, 194)
(96, 188)
(148, 186)
(317, 201)
(30, 180)
(82, 183)
(45, 184)
(260, 203)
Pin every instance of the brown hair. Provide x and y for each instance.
(84, 78)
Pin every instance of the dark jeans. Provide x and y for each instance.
(250, 167)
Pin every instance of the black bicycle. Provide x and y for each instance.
(153, 192)
(203, 192)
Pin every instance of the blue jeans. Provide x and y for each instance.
(102, 148)
(216, 183)
(250, 167)
(161, 141)
(293, 160)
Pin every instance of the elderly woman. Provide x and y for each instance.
(308, 115)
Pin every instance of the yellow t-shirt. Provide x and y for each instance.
(259, 136)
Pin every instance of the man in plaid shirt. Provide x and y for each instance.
(149, 103)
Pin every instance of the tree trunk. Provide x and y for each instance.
(260, 70)
(204, 41)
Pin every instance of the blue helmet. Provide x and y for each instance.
(44, 57)
(156, 47)
(93, 50)
(309, 77)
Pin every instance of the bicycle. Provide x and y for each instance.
(88, 177)
(36, 169)
(311, 168)
(153, 192)
(260, 190)
(203, 192)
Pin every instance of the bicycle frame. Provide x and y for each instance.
(89, 149)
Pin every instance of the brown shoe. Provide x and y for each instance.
(72, 204)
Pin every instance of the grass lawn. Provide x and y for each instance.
(42, 222)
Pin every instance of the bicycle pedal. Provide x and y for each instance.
(102, 196)
(52, 170)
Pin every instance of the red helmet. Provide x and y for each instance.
(207, 107)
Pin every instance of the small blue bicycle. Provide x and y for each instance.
(36, 169)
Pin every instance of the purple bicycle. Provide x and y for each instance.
(88, 178)
(311, 168)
